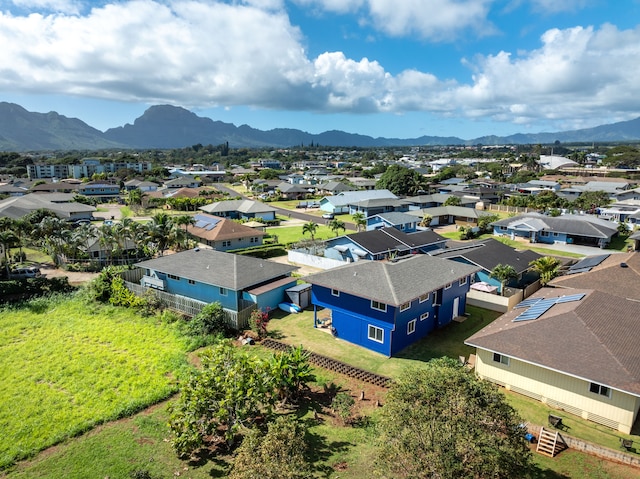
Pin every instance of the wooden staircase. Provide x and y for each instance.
(550, 443)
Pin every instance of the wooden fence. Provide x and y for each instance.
(511, 209)
(237, 320)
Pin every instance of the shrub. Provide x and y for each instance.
(210, 320)
(342, 404)
(122, 296)
(258, 322)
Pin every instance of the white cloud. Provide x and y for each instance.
(63, 6)
(202, 54)
(433, 20)
(576, 71)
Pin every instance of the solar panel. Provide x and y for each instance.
(539, 306)
(527, 302)
(576, 271)
(570, 298)
(589, 262)
(201, 224)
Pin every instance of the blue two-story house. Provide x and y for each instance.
(99, 190)
(236, 281)
(385, 306)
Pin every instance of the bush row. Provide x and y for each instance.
(20, 289)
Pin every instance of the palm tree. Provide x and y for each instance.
(7, 240)
(359, 220)
(310, 228)
(336, 225)
(546, 267)
(503, 273)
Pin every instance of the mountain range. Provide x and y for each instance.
(165, 127)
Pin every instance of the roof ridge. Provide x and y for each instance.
(385, 267)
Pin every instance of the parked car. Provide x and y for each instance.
(328, 216)
(313, 205)
(25, 272)
(301, 205)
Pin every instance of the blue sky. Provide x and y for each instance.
(392, 68)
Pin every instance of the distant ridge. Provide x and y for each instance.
(165, 126)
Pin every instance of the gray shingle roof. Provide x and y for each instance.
(227, 270)
(389, 239)
(490, 252)
(580, 225)
(595, 339)
(392, 283)
(243, 206)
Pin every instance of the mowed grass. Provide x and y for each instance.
(67, 366)
(298, 329)
(291, 234)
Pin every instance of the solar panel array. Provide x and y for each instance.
(205, 222)
(536, 307)
(587, 263)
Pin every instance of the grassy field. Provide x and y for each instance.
(68, 366)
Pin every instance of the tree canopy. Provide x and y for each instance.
(401, 180)
(441, 421)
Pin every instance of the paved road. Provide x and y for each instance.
(297, 213)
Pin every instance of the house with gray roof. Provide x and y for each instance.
(62, 204)
(383, 243)
(400, 221)
(448, 215)
(385, 306)
(573, 349)
(236, 282)
(340, 203)
(489, 253)
(241, 209)
(584, 230)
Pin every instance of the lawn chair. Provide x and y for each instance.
(556, 421)
(626, 443)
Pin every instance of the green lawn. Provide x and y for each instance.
(68, 366)
(291, 234)
(448, 341)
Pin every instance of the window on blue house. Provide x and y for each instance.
(226, 244)
(463, 281)
(335, 292)
(223, 291)
(378, 306)
(376, 334)
(447, 286)
(192, 281)
(174, 277)
(424, 297)
(600, 389)
(411, 326)
(405, 306)
(424, 316)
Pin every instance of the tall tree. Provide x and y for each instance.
(7, 240)
(442, 422)
(359, 219)
(503, 273)
(310, 228)
(336, 225)
(401, 180)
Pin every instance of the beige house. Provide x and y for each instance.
(575, 350)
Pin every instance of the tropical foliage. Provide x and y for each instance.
(546, 267)
(441, 421)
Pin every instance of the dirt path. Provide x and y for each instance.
(75, 278)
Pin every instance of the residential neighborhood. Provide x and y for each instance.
(527, 285)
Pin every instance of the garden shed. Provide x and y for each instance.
(300, 294)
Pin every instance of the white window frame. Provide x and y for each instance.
(424, 297)
(335, 292)
(405, 306)
(462, 281)
(424, 316)
(501, 358)
(378, 306)
(375, 330)
(190, 281)
(173, 277)
(447, 286)
(223, 291)
(411, 327)
(600, 390)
